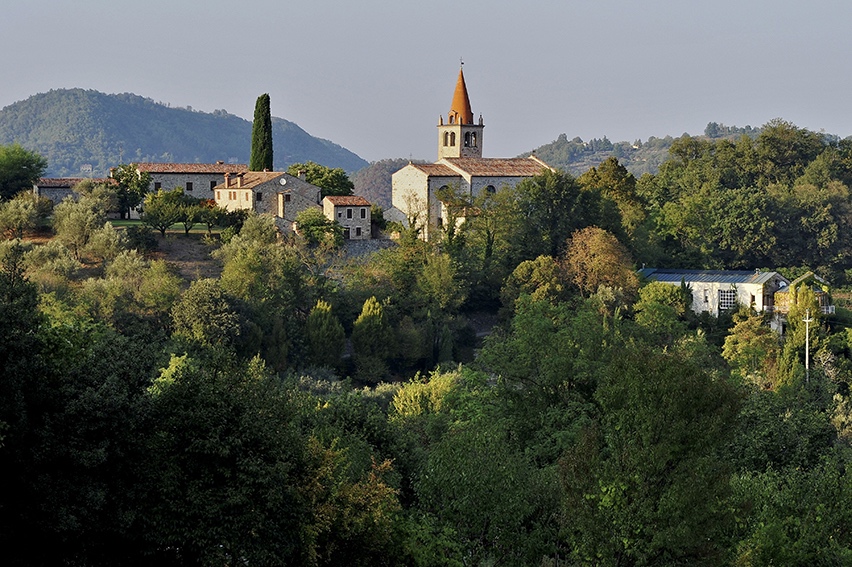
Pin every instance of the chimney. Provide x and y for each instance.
(220, 162)
(227, 180)
(303, 175)
(239, 180)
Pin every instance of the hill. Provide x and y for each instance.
(77, 128)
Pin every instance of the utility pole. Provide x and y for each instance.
(807, 321)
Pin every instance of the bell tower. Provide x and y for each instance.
(459, 137)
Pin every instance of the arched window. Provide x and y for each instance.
(446, 138)
(452, 138)
(473, 139)
(490, 189)
(467, 139)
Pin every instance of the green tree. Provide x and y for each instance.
(326, 337)
(316, 228)
(752, 350)
(132, 187)
(227, 472)
(75, 222)
(332, 181)
(163, 209)
(206, 315)
(372, 342)
(26, 211)
(20, 169)
(261, 136)
(644, 485)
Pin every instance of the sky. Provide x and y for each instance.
(375, 75)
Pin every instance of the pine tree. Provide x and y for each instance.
(325, 336)
(261, 136)
(371, 342)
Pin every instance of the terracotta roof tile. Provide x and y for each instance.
(220, 168)
(348, 201)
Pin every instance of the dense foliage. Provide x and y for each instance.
(305, 408)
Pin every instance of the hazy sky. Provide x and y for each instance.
(373, 76)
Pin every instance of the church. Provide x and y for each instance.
(460, 166)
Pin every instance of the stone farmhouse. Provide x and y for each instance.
(196, 179)
(352, 212)
(460, 166)
(58, 188)
(272, 192)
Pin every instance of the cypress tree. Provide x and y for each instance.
(261, 136)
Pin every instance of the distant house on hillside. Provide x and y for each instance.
(196, 179)
(272, 192)
(715, 291)
(352, 212)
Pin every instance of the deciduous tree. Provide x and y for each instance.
(20, 169)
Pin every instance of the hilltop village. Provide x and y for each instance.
(220, 364)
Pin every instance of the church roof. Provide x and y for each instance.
(460, 108)
(436, 169)
(498, 167)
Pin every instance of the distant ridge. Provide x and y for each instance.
(78, 128)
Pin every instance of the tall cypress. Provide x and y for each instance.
(261, 136)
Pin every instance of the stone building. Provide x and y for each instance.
(352, 212)
(196, 179)
(272, 192)
(57, 188)
(714, 291)
(460, 167)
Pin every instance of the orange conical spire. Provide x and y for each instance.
(460, 111)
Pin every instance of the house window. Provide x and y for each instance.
(490, 189)
(259, 196)
(349, 213)
(212, 185)
(340, 214)
(157, 185)
(357, 231)
(727, 299)
(189, 185)
(218, 195)
(363, 213)
(287, 198)
(706, 296)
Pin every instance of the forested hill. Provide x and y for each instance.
(577, 156)
(76, 127)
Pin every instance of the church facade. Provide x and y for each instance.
(460, 167)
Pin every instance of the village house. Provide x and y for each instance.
(715, 291)
(352, 212)
(460, 167)
(272, 192)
